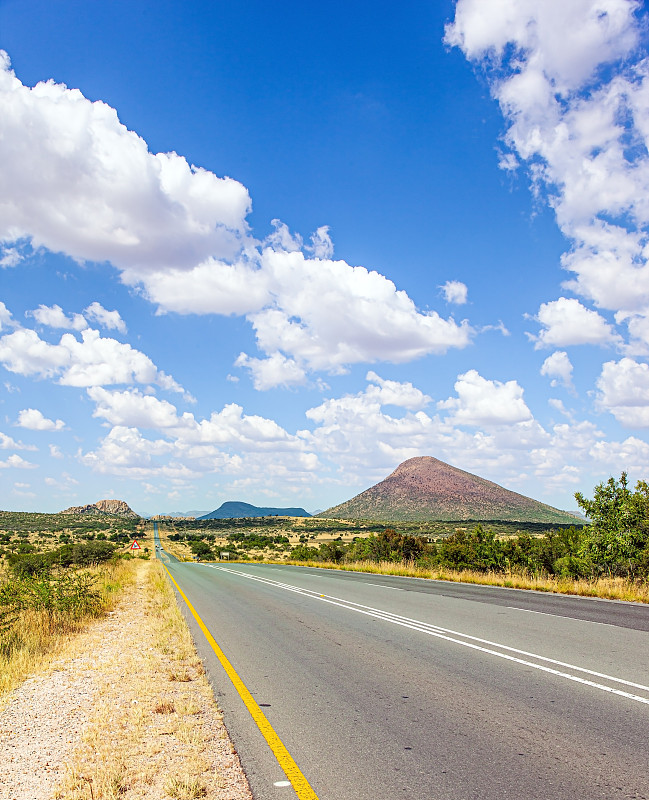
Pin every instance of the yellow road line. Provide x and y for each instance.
(284, 758)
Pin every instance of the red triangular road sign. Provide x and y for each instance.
(135, 545)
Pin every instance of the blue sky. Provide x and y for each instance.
(265, 253)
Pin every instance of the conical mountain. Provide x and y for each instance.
(425, 488)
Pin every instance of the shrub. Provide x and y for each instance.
(571, 567)
(304, 553)
(201, 549)
(69, 595)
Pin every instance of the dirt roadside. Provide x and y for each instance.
(125, 712)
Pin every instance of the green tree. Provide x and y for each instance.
(620, 523)
(304, 553)
(389, 545)
(201, 549)
(332, 551)
(477, 549)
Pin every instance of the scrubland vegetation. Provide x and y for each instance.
(56, 572)
(277, 537)
(609, 557)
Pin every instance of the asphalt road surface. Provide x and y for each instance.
(386, 687)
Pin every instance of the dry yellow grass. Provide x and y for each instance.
(40, 636)
(607, 588)
(157, 731)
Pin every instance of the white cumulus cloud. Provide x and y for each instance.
(321, 244)
(567, 322)
(210, 287)
(16, 462)
(486, 402)
(455, 292)
(632, 452)
(111, 320)
(274, 370)
(327, 315)
(34, 420)
(395, 393)
(228, 441)
(558, 367)
(133, 409)
(7, 443)
(6, 320)
(624, 391)
(92, 361)
(84, 185)
(55, 317)
(10, 257)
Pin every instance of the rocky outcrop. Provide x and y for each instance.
(115, 507)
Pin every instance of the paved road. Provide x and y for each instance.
(401, 688)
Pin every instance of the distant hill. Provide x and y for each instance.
(425, 488)
(236, 510)
(115, 507)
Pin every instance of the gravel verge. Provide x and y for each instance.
(125, 712)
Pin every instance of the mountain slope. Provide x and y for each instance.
(428, 489)
(237, 510)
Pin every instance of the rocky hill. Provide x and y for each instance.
(115, 507)
(236, 510)
(425, 488)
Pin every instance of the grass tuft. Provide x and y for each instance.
(186, 788)
(165, 707)
(182, 676)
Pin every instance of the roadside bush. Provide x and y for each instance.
(560, 544)
(201, 549)
(304, 553)
(571, 567)
(70, 595)
(332, 551)
(387, 546)
(477, 549)
(521, 554)
(642, 564)
(86, 553)
(82, 554)
(30, 564)
(66, 591)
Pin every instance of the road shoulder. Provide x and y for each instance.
(126, 711)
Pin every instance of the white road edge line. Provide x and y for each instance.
(381, 586)
(441, 633)
(559, 616)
